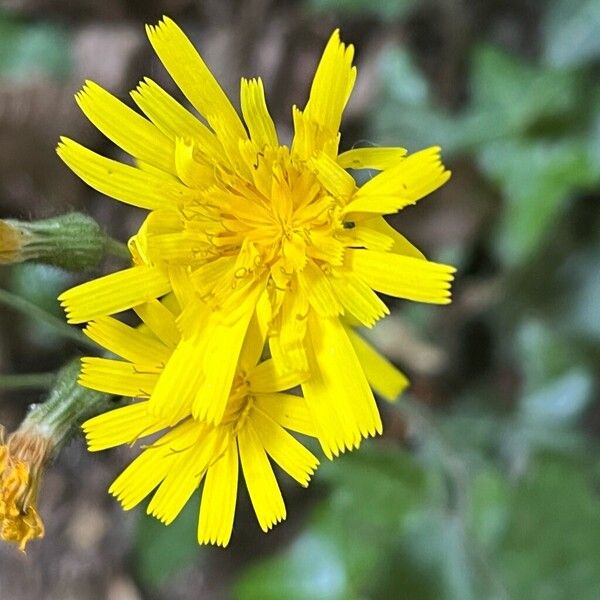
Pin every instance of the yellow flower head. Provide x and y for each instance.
(21, 462)
(254, 427)
(240, 224)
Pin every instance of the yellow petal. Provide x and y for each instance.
(254, 344)
(319, 290)
(268, 377)
(160, 321)
(219, 363)
(184, 477)
(140, 478)
(383, 376)
(189, 166)
(338, 182)
(152, 466)
(122, 425)
(172, 248)
(337, 393)
(260, 480)
(359, 299)
(400, 244)
(287, 348)
(289, 411)
(126, 128)
(122, 182)
(256, 114)
(182, 286)
(118, 377)
(403, 276)
(307, 135)
(113, 293)
(195, 80)
(371, 158)
(206, 277)
(284, 449)
(332, 85)
(178, 383)
(412, 179)
(217, 509)
(172, 119)
(127, 342)
(361, 236)
(326, 248)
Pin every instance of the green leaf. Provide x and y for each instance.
(509, 95)
(27, 49)
(162, 551)
(537, 180)
(571, 32)
(551, 548)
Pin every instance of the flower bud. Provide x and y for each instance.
(73, 241)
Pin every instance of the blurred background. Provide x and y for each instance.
(486, 481)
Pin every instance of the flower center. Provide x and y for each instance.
(272, 214)
(262, 221)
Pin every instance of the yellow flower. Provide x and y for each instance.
(254, 427)
(238, 220)
(21, 462)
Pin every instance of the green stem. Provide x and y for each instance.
(116, 248)
(24, 381)
(67, 406)
(58, 325)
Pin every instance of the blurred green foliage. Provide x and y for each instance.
(161, 551)
(40, 285)
(27, 49)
